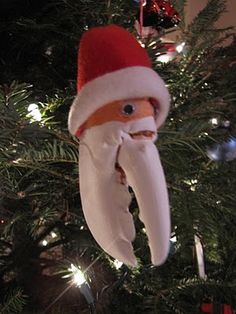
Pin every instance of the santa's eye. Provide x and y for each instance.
(128, 109)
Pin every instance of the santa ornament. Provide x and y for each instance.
(121, 102)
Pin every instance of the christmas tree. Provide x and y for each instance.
(46, 244)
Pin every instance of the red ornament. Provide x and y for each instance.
(159, 14)
(215, 308)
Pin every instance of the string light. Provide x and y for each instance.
(165, 58)
(79, 280)
(214, 121)
(179, 48)
(44, 242)
(141, 43)
(77, 275)
(17, 160)
(53, 234)
(173, 239)
(172, 51)
(117, 264)
(34, 112)
(191, 181)
(48, 51)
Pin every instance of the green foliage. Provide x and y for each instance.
(181, 296)
(179, 5)
(38, 168)
(202, 28)
(14, 302)
(41, 46)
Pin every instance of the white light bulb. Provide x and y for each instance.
(44, 242)
(34, 112)
(17, 160)
(53, 234)
(48, 51)
(141, 44)
(78, 276)
(179, 48)
(117, 264)
(164, 58)
(214, 121)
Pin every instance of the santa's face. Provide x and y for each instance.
(117, 151)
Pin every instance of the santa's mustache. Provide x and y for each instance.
(112, 157)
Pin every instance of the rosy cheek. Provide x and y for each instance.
(80, 131)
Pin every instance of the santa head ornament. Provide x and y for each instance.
(121, 102)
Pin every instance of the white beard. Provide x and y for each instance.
(105, 198)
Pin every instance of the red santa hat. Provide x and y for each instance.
(113, 66)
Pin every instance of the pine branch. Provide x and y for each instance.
(203, 24)
(14, 303)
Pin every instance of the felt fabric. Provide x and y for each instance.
(137, 157)
(117, 147)
(133, 82)
(108, 49)
(113, 66)
(105, 195)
